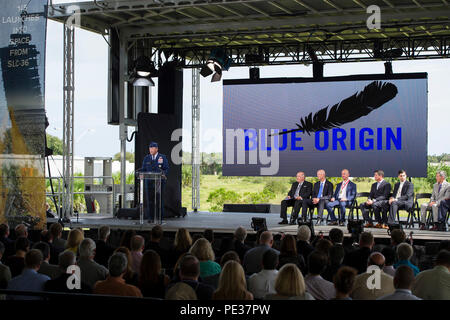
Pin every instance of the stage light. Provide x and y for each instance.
(388, 68)
(355, 227)
(258, 223)
(143, 82)
(217, 62)
(254, 73)
(141, 72)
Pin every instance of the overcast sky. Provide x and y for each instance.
(94, 137)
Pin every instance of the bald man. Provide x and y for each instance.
(301, 190)
(343, 197)
(322, 194)
(366, 285)
(253, 258)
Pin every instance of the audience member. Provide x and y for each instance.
(303, 245)
(181, 291)
(358, 259)
(434, 284)
(58, 243)
(263, 283)
(181, 244)
(344, 280)
(16, 263)
(203, 251)
(7, 242)
(91, 271)
(324, 246)
(59, 284)
(336, 236)
(361, 290)
(189, 271)
(156, 235)
(317, 286)
(74, 239)
(5, 273)
(151, 281)
(232, 283)
(289, 284)
(21, 230)
(103, 249)
(389, 255)
(125, 241)
(403, 282)
(240, 234)
(397, 236)
(130, 276)
(50, 270)
(253, 258)
(335, 259)
(114, 283)
(213, 280)
(404, 254)
(29, 279)
(289, 254)
(137, 246)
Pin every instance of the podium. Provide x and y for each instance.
(150, 199)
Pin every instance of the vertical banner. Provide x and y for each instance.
(23, 27)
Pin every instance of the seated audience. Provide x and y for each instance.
(189, 272)
(317, 286)
(203, 251)
(103, 250)
(361, 290)
(151, 281)
(289, 254)
(59, 284)
(46, 268)
(358, 259)
(213, 280)
(289, 285)
(404, 254)
(181, 291)
(114, 283)
(344, 281)
(434, 284)
(240, 234)
(389, 255)
(403, 281)
(16, 262)
(181, 244)
(156, 235)
(336, 236)
(7, 242)
(137, 246)
(130, 276)
(303, 245)
(253, 258)
(91, 271)
(21, 230)
(335, 259)
(58, 243)
(263, 283)
(125, 241)
(74, 239)
(5, 273)
(324, 246)
(29, 279)
(232, 284)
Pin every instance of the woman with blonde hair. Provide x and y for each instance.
(289, 284)
(232, 284)
(181, 244)
(74, 239)
(203, 251)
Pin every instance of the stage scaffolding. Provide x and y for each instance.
(275, 32)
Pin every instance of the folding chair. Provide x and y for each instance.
(415, 214)
(355, 205)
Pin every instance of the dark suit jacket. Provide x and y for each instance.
(358, 259)
(407, 193)
(305, 191)
(327, 192)
(102, 252)
(382, 193)
(351, 191)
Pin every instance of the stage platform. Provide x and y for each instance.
(227, 222)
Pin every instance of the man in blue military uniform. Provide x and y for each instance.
(154, 162)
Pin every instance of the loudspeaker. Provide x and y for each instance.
(128, 213)
(258, 223)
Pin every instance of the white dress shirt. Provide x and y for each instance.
(320, 288)
(399, 192)
(262, 283)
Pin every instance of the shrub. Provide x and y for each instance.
(218, 197)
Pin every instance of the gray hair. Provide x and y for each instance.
(303, 233)
(66, 259)
(404, 251)
(117, 264)
(87, 248)
(442, 173)
(104, 232)
(240, 233)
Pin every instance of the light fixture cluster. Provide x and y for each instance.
(142, 71)
(217, 62)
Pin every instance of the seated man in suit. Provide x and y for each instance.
(402, 197)
(322, 193)
(344, 195)
(300, 191)
(441, 191)
(378, 200)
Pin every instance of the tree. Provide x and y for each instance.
(55, 144)
(129, 157)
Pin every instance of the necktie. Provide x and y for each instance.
(297, 191)
(440, 185)
(320, 190)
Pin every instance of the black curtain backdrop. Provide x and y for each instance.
(159, 127)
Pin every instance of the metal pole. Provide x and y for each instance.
(195, 161)
(68, 120)
(123, 159)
